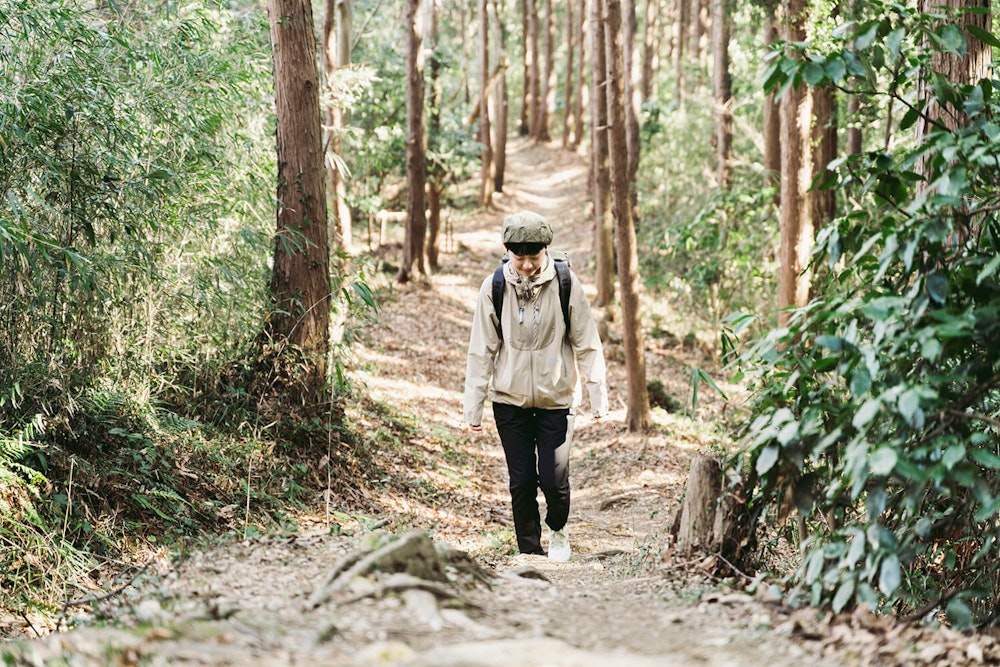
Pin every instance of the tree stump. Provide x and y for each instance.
(695, 530)
(713, 519)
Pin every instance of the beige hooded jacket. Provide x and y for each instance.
(535, 365)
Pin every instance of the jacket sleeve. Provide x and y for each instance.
(483, 345)
(588, 349)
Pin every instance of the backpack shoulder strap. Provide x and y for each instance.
(498, 290)
(565, 285)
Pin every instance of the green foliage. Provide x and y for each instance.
(877, 406)
(709, 250)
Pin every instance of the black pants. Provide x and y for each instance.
(536, 445)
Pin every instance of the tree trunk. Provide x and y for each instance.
(527, 106)
(570, 53)
(772, 118)
(824, 142)
(434, 191)
(300, 278)
(633, 104)
(967, 68)
(485, 139)
(681, 28)
(600, 170)
(436, 174)
(649, 48)
(637, 402)
(854, 129)
(463, 66)
(713, 518)
(416, 158)
(700, 30)
(722, 92)
(578, 102)
(500, 127)
(796, 176)
(696, 528)
(337, 56)
(531, 42)
(547, 96)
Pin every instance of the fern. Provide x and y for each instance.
(15, 447)
(172, 423)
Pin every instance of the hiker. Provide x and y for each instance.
(526, 357)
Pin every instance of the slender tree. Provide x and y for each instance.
(600, 170)
(300, 277)
(772, 114)
(535, 78)
(633, 104)
(722, 93)
(824, 151)
(578, 101)
(681, 29)
(500, 127)
(796, 177)
(337, 56)
(650, 50)
(524, 125)
(546, 99)
(568, 88)
(436, 171)
(485, 138)
(637, 403)
(416, 156)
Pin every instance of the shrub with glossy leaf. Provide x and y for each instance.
(878, 407)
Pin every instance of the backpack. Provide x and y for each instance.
(563, 279)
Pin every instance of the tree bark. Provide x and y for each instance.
(681, 28)
(633, 105)
(824, 142)
(434, 191)
(967, 68)
(649, 48)
(300, 278)
(772, 118)
(637, 402)
(535, 81)
(796, 177)
(547, 95)
(337, 56)
(854, 129)
(527, 107)
(485, 139)
(416, 157)
(722, 92)
(502, 109)
(568, 88)
(600, 170)
(696, 528)
(581, 79)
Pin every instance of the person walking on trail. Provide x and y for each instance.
(527, 356)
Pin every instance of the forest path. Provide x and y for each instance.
(246, 602)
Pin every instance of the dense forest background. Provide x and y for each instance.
(811, 186)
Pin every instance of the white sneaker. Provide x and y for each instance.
(559, 546)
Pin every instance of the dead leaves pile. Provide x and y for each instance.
(867, 639)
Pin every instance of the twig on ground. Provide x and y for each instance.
(91, 599)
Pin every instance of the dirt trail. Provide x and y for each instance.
(247, 603)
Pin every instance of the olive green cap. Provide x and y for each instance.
(526, 227)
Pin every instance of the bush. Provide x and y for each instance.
(877, 406)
